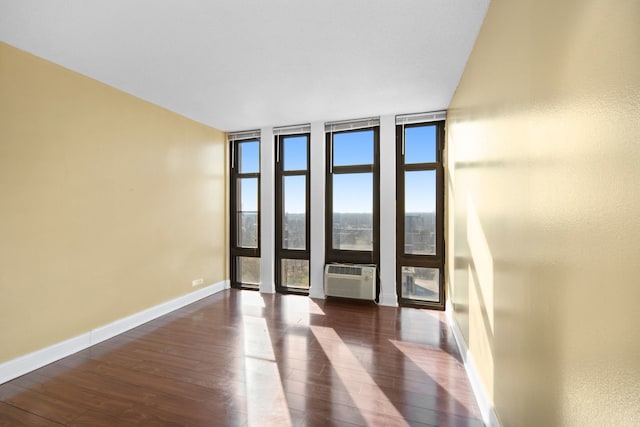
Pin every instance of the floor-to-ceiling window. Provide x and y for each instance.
(292, 209)
(353, 192)
(245, 210)
(420, 214)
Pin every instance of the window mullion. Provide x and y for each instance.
(353, 169)
(420, 166)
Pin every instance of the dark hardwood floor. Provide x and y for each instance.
(244, 358)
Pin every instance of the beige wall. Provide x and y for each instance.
(108, 204)
(544, 205)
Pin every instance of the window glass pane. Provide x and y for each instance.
(420, 144)
(248, 270)
(295, 153)
(421, 283)
(420, 212)
(353, 148)
(353, 211)
(294, 221)
(295, 273)
(248, 157)
(247, 213)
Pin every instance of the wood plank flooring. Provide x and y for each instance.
(240, 358)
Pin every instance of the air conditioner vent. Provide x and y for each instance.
(344, 269)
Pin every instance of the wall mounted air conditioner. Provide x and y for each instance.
(350, 281)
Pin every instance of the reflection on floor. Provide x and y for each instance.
(245, 358)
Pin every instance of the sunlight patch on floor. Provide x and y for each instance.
(298, 310)
(266, 401)
(429, 360)
(351, 372)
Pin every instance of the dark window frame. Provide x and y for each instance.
(236, 251)
(353, 256)
(410, 260)
(280, 174)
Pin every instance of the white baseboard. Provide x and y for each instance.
(39, 358)
(316, 292)
(389, 300)
(486, 408)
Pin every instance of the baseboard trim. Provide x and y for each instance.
(39, 358)
(389, 300)
(316, 292)
(486, 408)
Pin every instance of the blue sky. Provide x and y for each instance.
(420, 186)
(420, 144)
(353, 148)
(294, 157)
(420, 190)
(249, 157)
(294, 189)
(352, 192)
(294, 153)
(248, 187)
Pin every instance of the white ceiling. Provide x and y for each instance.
(242, 64)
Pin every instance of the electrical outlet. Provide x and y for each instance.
(197, 282)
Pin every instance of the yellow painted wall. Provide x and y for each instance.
(544, 211)
(108, 204)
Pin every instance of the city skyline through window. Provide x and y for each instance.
(352, 181)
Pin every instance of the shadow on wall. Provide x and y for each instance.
(543, 134)
(506, 308)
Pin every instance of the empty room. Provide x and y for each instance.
(286, 213)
